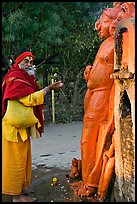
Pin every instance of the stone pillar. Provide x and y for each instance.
(124, 78)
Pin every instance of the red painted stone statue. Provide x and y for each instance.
(97, 142)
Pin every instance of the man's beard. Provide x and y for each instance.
(29, 70)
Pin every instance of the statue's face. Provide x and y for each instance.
(104, 22)
(127, 11)
(104, 29)
(27, 65)
(116, 4)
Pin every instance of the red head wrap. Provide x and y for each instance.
(22, 56)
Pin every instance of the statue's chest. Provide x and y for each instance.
(106, 52)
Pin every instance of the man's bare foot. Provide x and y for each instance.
(23, 198)
(26, 191)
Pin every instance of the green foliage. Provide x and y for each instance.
(66, 29)
(46, 26)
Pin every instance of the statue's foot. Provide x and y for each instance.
(23, 198)
(73, 180)
(96, 198)
(85, 191)
(76, 184)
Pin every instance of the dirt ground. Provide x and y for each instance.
(48, 191)
(45, 190)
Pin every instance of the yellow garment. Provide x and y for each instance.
(10, 132)
(34, 99)
(18, 115)
(16, 166)
(16, 151)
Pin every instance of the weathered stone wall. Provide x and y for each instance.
(124, 77)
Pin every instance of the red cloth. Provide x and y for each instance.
(17, 83)
(22, 56)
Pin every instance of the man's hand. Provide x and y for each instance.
(55, 86)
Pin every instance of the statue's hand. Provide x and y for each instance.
(87, 71)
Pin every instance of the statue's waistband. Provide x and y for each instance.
(101, 89)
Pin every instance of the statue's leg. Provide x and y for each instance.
(95, 115)
(88, 147)
(106, 130)
(87, 99)
(88, 140)
(109, 170)
(105, 160)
